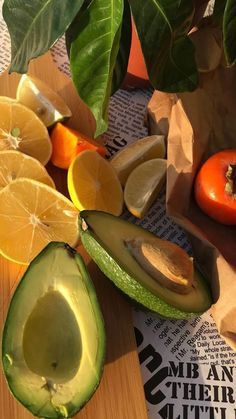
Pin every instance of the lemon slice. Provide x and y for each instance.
(38, 96)
(93, 184)
(22, 130)
(143, 186)
(31, 215)
(14, 164)
(131, 156)
(7, 99)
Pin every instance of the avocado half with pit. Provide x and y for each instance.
(54, 340)
(157, 274)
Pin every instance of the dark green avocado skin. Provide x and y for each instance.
(114, 269)
(31, 402)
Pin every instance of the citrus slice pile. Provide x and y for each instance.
(45, 102)
(14, 164)
(143, 185)
(93, 184)
(22, 130)
(31, 215)
(132, 155)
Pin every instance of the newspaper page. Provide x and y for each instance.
(188, 370)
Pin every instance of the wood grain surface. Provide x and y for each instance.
(120, 394)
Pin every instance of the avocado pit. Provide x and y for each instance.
(115, 246)
(164, 261)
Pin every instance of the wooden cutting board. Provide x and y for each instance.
(120, 394)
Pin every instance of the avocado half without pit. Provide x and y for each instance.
(155, 273)
(54, 340)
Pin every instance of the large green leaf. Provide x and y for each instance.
(218, 11)
(229, 31)
(162, 26)
(122, 60)
(35, 25)
(94, 48)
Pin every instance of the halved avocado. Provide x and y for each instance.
(104, 236)
(54, 340)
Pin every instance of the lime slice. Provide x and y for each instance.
(143, 185)
(132, 155)
(38, 96)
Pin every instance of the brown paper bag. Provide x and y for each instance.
(199, 124)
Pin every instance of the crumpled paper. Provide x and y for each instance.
(197, 125)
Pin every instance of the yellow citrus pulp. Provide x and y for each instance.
(93, 184)
(143, 185)
(14, 164)
(45, 102)
(31, 215)
(7, 99)
(22, 130)
(132, 155)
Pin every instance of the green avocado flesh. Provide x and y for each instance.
(103, 236)
(53, 345)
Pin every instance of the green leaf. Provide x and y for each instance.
(162, 26)
(218, 11)
(72, 30)
(34, 26)
(229, 31)
(94, 48)
(122, 60)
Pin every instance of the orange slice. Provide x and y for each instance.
(67, 143)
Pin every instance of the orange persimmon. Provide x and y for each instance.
(137, 75)
(215, 187)
(67, 143)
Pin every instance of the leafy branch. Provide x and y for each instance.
(98, 38)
